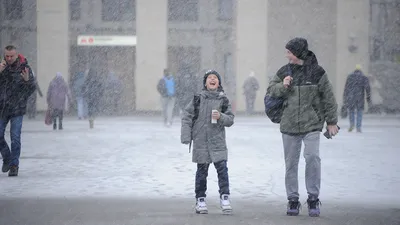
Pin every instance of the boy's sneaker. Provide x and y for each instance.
(201, 206)
(6, 167)
(13, 171)
(225, 204)
(313, 207)
(293, 208)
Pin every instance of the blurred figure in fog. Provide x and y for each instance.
(57, 95)
(31, 105)
(167, 89)
(186, 88)
(250, 88)
(376, 98)
(357, 84)
(93, 90)
(79, 81)
(114, 92)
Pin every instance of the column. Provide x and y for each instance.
(151, 52)
(251, 48)
(352, 28)
(52, 44)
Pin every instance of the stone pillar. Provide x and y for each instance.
(52, 44)
(151, 52)
(352, 28)
(251, 48)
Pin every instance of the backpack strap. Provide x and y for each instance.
(196, 104)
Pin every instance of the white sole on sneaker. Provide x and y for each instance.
(226, 210)
(202, 211)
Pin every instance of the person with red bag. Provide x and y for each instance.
(57, 95)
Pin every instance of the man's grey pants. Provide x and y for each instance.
(292, 149)
(168, 104)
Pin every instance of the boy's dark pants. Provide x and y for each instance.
(201, 178)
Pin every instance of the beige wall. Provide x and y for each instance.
(151, 51)
(52, 43)
(352, 21)
(251, 48)
(261, 30)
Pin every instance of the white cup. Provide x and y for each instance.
(213, 120)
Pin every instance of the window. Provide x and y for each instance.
(225, 9)
(74, 9)
(13, 9)
(119, 10)
(183, 10)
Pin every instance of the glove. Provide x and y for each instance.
(185, 142)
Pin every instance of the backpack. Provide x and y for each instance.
(170, 86)
(274, 105)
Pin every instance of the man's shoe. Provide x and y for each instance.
(6, 167)
(13, 171)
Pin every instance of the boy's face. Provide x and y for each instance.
(212, 82)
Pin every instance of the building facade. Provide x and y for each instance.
(230, 36)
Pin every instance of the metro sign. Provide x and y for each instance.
(106, 40)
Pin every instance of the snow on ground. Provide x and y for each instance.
(139, 157)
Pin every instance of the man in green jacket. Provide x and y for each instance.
(309, 103)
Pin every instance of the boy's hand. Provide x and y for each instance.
(216, 115)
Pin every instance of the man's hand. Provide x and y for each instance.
(25, 74)
(2, 65)
(216, 115)
(185, 142)
(287, 81)
(333, 130)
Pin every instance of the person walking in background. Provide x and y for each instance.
(57, 95)
(250, 88)
(167, 89)
(78, 83)
(357, 84)
(93, 90)
(16, 84)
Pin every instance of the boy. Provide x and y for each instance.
(204, 122)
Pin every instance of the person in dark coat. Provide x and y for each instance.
(57, 95)
(93, 90)
(16, 85)
(357, 84)
(250, 88)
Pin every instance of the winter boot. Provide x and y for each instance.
(60, 125)
(6, 167)
(313, 207)
(225, 204)
(201, 206)
(13, 171)
(293, 208)
(91, 123)
(54, 126)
